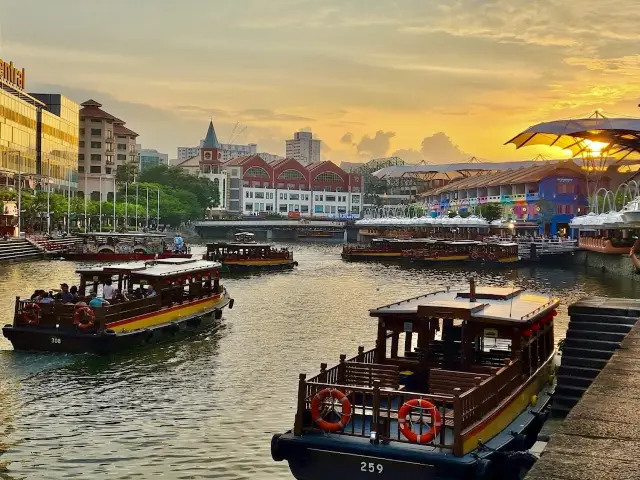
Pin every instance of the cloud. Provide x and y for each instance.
(375, 147)
(347, 139)
(266, 115)
(439, 148)
(409, 155)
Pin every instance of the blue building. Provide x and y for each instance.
(148, 158)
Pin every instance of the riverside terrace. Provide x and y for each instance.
(270, 229)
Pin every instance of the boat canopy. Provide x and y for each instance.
(123, 235)
(492, 305)
(159, 268)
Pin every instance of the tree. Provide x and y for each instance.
(491, 211)
(545, 211)
(127, 173)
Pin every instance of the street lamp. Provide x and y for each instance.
(19, 153)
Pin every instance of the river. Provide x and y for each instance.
(207, 407)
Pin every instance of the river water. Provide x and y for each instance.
(207, 407)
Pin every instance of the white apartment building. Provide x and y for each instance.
(185, 153)
(303, 148)
(105, 144)
(229, 151)
(307, 203)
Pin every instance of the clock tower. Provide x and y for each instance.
(210, 152)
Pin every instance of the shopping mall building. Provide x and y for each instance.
(38, 134)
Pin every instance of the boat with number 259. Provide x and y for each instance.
(159, 301)
(457, 387)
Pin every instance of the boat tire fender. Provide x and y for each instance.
(316, 414)
(218, 314)
(483, 469)
(231, 302)
(31, 313)
(276, 451)
(109, 333)
(84, 318)
(405, 411)
(517, 464)
(519, 442)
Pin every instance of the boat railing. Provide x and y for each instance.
(375, 409)
(477, 402)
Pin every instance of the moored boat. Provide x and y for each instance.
(459, 392)
(464, 251)
(384, 248)
(122, 247)
(182, 295)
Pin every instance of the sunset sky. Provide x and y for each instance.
(440, 80)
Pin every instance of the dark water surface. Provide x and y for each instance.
(207, 407)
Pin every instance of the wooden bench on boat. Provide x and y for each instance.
(365, 374)
(451, 382)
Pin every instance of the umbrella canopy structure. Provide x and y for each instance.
(615, 138)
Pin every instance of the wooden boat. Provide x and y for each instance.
(634, 255)
(465, 403)
(188, 296)
(384, 248)
(464, 251)
(122, 247)
(319, 233)
(608, 246)
(239, 257)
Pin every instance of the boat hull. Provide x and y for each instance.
(257, 265)
(165, 325)
(372, 255)
(120, 257)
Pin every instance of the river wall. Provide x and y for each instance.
(615, 264)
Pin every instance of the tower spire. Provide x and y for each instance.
(211, 139)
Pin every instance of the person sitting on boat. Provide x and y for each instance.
(97, 301)
(46, 298)
(108, 290)
(120, 297)
(150, 291)
(64, 294)
(74, 293)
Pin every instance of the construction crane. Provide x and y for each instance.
(238, 135)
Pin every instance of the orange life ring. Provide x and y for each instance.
(31, 313)
(492, 256)
(475, 255)
(406, 410)
(82, 323)
(317, 416)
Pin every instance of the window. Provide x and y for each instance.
(96, 132)
(246, 194)
(121, 137)
(304, 209)
(96, 144)
(95, 196)
(339, 189)
(327, 209)
(82, 132)
(122, 158)
(318, 209)
(565, 187)
(342, 209)
(259, 194)
(122, 146)
(329, 177)
(81, 157)
(285, 196)
(269, 207)
(256, 172)
(81, 143)
(281, 196)
(81, 169)
(333, 209)
(95, 169)
(280, 185)
(331, 198)
(355, 199)
(283, 208)
(294, 196)
(95, 120)
(96, 157)
(291, 174)
(248, 206)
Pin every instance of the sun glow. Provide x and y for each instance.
(594, 147)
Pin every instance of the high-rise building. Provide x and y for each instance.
(187, 152)
(148, 157)
(105, 144)
(304, 148)
(227, 150)
(38, 135)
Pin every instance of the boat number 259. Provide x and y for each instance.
(371, 467)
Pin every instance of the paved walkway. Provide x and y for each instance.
(600, 439)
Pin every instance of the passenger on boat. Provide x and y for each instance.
(108, 290)
(150, 292)
(46, 298)
(178, 243)
(65, 295)
(120, 296)
(97, 301)
(37, 295)
(74, 293)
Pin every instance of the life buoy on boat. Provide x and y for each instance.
(475, 255)
(406, 410)
(84, 318)
(31, 313)
(316, 414)
(492, 256)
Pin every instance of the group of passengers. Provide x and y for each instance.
(110, 295)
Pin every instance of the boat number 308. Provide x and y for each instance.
(371, 467)
(56, 340)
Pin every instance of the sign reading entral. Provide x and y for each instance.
(9, 73)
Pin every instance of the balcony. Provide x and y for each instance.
(532, 196)
(519, 197)
(109, 150)
(493, 198)
(506, 199)
(483, 200)
(109, 139)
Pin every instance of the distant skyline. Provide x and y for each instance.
(440, 80)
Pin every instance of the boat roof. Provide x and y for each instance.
(507, 244)
(238, 244)
(463, 242)
(405, 240)
(496, 305)
(245, 233)
(120, 235)
(157, 268)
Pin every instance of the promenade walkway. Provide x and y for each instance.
(600, 438)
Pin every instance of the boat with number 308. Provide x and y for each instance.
(457, 387)
(156, 301)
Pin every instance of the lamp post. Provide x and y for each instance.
(100, 202)
(158, 220)
(114, 203)
(136, 207)
(49, 196)
(7, 153)
(147, 208)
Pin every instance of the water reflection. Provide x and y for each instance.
(206, 407)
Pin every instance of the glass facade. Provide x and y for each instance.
(18, 137)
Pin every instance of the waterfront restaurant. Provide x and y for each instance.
(549, 194)
(38, 135)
